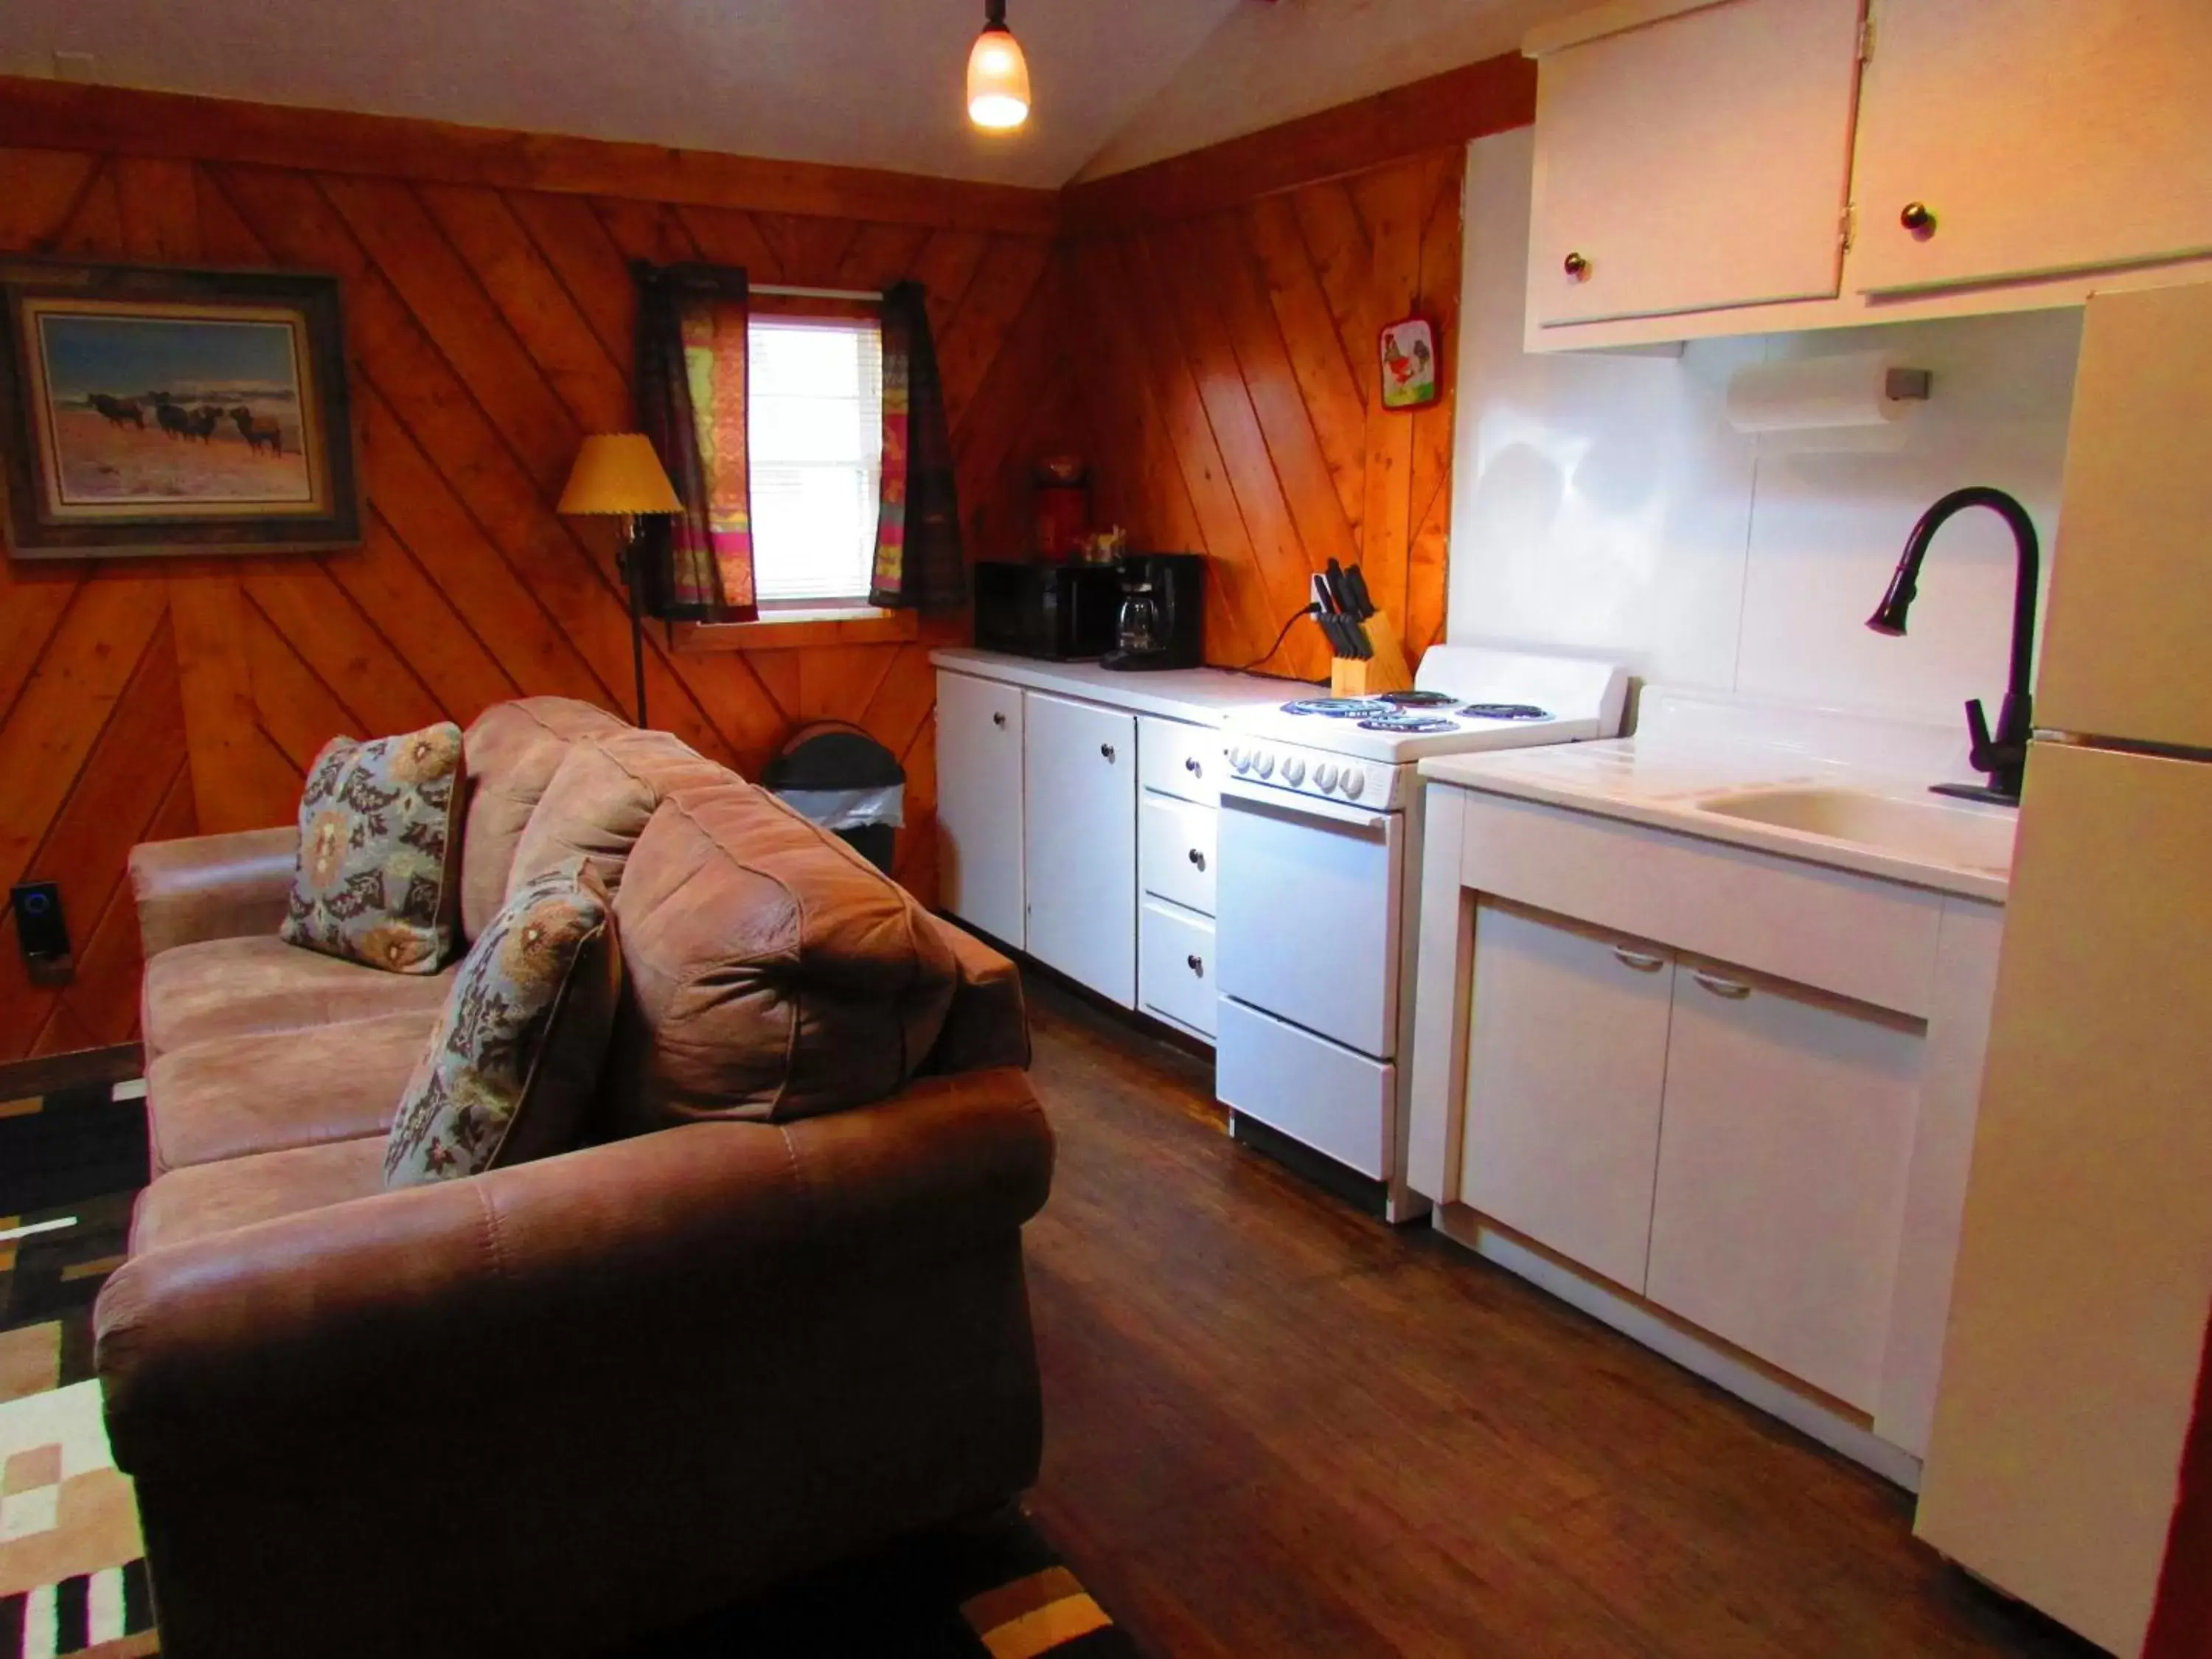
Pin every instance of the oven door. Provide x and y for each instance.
(1308, 919)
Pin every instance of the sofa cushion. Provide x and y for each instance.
(220, 1198)
(601, 798)
(378, 877)
(515, 1058)
(514, 749)
(270, 1089)
(773, 972)
(225, 987)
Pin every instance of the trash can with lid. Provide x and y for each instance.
(835, 774)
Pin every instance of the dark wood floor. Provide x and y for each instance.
(1278, 1427)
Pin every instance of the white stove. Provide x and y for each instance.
(1320, 887)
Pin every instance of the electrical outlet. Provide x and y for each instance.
(41, 932)
(72, 65)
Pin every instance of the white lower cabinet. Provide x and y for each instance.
(1079, 841)
(1784, 1147)
(979, 803)
(1566, 1055)
(1734, 1148)
(1176, 966)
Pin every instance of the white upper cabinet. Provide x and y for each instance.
(1691, 156)
(2039, 137)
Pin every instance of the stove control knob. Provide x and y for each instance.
(1354, 780)
(1325, 777)
(1294, 771)
(1263, 763)
(1240, 757)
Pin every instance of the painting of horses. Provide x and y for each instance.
(162, 416)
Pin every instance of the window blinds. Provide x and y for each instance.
(815, 417)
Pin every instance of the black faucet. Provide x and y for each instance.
(2004, 756)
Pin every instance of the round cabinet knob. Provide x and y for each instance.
(1294, 771)
(1196, 964)
(1190, 765)
(1354, 781)
(1263, 763)
(1198, 857)
(1325, 777)
(998, 720)
(1107, 749)
(1918, 219)
(1575, 266)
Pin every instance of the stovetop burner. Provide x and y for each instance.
(1405, 725)
(1505, 711)
(1417, 699)
(1339, 708)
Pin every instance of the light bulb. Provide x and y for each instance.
(997, 81)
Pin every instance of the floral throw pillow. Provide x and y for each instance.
(516, 1059)
(379, 851)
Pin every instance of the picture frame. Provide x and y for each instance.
(148, 409)
(1411, 368)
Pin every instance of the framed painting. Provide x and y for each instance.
(146, 410)
(1410, 378)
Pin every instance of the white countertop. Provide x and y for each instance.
(1202, 697)
(1659, 776)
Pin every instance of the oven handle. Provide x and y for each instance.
(1283, 803)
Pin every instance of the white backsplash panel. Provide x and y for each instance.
(1603, 503)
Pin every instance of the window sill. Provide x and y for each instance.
(797, 629)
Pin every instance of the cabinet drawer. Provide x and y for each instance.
(1175, 851)
(1180, 760)
(1176, 974)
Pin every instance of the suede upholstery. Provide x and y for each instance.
(270, 1089)
(512, 750)
(601, 798)
(719, 1352)
(217, 989)
(774, 973)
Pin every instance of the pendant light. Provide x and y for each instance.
(997, 75)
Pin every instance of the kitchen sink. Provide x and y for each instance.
(1962, 837)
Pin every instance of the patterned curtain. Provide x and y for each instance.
(918, 561)
(691, 403)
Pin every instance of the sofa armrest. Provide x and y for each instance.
(989, 1024)
(206, 887)
(670, 1251)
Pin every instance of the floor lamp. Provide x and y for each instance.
(618, 473)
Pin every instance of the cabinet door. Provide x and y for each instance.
(1699, 161)
(1566, 1053)
(1079, 833)
(1782, 1158)
(2043, 135)
(979, 803)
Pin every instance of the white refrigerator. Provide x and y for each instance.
(2084, 1283)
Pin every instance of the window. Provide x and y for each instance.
(816, 421)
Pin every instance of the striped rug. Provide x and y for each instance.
(72, 1579)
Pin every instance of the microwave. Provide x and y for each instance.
(1055, 611)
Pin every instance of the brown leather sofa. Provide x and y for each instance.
(544, 1409)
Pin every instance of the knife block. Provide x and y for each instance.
(1386, 671)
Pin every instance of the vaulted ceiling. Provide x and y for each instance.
(870, 83)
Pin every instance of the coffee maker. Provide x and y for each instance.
(1162, 618)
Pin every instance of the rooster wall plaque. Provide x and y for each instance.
(1410, 380)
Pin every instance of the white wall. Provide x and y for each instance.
(1271, 62)
(1602, 502)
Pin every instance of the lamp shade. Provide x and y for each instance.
(997, 81)
(618, 472)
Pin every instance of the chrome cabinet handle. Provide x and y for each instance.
(998, 720)
(1197, 964)
(1107, 749)
(1734, 989)
(1192, 766)
(1198, 857)
(1643, 961)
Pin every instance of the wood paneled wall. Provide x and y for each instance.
(1226, 366)
(490, 329)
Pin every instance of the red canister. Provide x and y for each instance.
(1061, 507)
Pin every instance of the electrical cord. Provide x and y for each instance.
(1310, 610)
